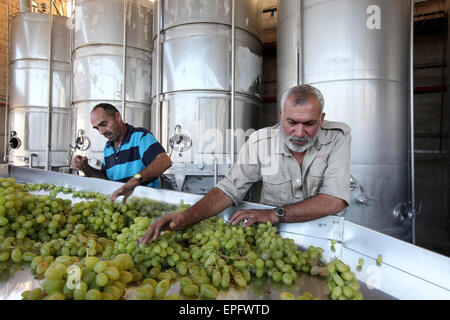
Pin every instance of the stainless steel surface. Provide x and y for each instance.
(406, 271)
(124, 56)
(411, 124)
(5, 146)
(100, 67)
(364, 79)
(210, 78)
(233, 84)
(31, 87)
(49, 100)
(204, 117)
(157, 77)
(24, 6)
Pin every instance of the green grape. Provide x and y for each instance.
(112, 272)
(338, 280)
(190, 290)
(276, 276)
(287, 296)
(51, 286)
(16, 255)
(208, 291)
(35, 294)
(93, 294)
(161, 289)
(42, 267)
(379, 260)
(144, 293)
(3, 221)
(240, 280)
(287, 279)
(114, 291)
(125, 276)
(55, 296)
(100, 266)
(101, 279)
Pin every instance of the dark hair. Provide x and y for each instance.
(109, 108)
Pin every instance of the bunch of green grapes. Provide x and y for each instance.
(305, 296)
(47, 187)
(150, 289)
(342, 283)
(249, 252)
(89, 195)
(102, 217)
(68, 278)
(148, 208)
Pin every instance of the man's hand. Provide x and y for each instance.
(79, 163)
(254, 216)
(175, 221)
(126, 190)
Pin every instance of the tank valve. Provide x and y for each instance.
(404, 213)
(14, 141)
(362, 198)
(179, 141)
(81, 142)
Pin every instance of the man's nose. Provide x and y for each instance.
(300, 130)
(102, 131)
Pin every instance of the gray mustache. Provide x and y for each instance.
(300, 140)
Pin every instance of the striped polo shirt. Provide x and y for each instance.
(138, 149)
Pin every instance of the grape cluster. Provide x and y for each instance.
(100, 238)
(68, 278)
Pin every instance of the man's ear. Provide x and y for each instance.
(322, 117)
(117, 116)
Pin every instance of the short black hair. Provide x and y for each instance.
(109, 108)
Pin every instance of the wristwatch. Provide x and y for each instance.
(280, 212)
(138, 177)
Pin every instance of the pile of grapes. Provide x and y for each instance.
(90, 250)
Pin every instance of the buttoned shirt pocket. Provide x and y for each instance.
(277, 189)
(314, 178)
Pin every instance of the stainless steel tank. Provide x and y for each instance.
(357, 53)
(196, 85)
(98, 67)
(29, 91)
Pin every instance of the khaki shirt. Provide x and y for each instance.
(325, 168)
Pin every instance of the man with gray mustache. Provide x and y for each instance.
(303, 163)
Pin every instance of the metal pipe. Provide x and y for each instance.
(158, 71)
(56, 7)
(233, 75)
(50, 42)
(411, 120)
(30, 162)
(5, 157)
(72, 45)
(299, 43)
(124, 58)
(24, 6)
(216, 171)
(443, 85)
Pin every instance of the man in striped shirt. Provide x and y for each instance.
(131, 155)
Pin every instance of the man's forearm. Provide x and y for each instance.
(210, 205)
(313, 208)
(93, 173)
(155, 169)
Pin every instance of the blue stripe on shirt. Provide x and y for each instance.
(138, 150)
